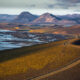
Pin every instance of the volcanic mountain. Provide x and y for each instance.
(25, 17)
(46, 18)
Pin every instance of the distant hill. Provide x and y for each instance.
(69, 16)
(47, 18)
(25, 17)
(6, 17)
(73, 17)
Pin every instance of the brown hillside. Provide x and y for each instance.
(29, 62)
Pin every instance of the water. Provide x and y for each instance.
(14, 39)
(8, 41)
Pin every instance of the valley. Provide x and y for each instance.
(39, 47)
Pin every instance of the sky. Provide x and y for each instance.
(58, 7)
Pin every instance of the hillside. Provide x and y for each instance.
(6, 18)
(74, 30)
(24, 17)
(46, 18)
(72, 73)
(67, 22)
(29, 62)
(69, 30)
(73, 17)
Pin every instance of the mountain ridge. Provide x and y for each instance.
(24, 17)
(46, 18)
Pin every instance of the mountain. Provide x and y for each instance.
(69, 16)
(72, 17)
(6, 18)
(25, 17)
(46, 18)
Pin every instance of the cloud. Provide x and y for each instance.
(71, 1)
(50, 6)
(42, 4)
(67, 4)
(26, 3)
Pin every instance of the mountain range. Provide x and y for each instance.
(46, 18)
(25, 17)
(7, 18)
